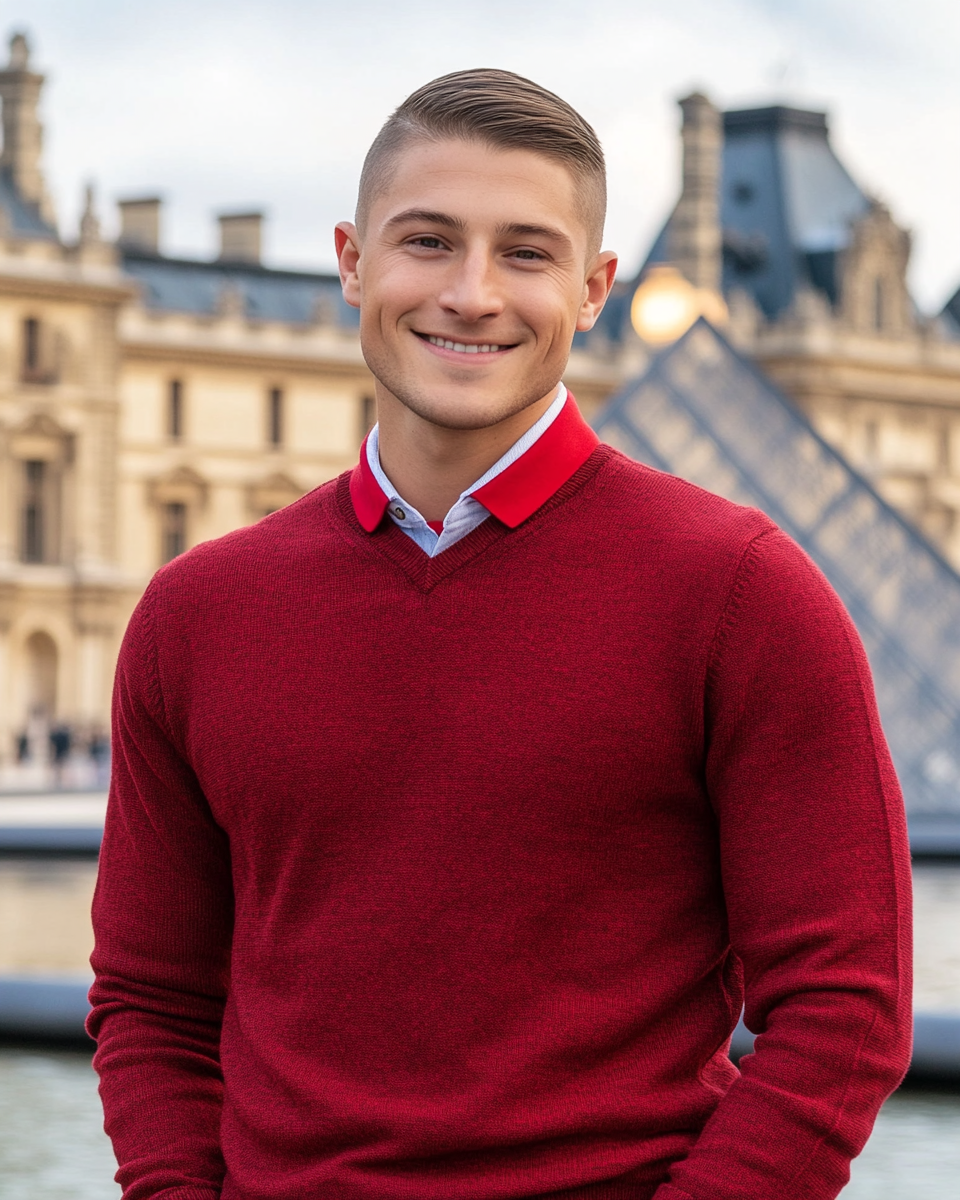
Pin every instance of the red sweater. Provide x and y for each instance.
(445, 879)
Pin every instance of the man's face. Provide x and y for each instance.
(472, 274)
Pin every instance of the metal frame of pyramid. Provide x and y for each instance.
(705, 412)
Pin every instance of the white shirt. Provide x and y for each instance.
(467, 513)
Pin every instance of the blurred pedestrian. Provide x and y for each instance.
(60, 743)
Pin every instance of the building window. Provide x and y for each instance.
(35, 516)
(879, 316)
(743, 192)
(39, 511)
(275, 417)
(39, 353)
(31, 345)
(175, 410)
(174, 532)
(368, 415)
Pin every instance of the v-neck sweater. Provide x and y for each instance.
(433, 537)
(446, 878)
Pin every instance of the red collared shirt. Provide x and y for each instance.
(512, 490)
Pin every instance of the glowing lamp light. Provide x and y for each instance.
(665, 305)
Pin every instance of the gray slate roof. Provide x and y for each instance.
(191, 286)
(704, 412)
(786, 206)
(23, 218)
(951, 314)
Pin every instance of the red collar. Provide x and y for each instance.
(518, 491)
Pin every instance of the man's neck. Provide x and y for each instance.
(430, 465)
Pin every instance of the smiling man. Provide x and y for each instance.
(473, 262)
(458, 807)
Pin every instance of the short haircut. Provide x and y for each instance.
(501, 110)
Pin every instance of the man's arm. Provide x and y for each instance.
(162, 917)
(816, 878)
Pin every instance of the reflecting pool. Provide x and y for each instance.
(53, 1146)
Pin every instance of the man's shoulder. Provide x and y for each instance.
(672, 512)
(249, 556)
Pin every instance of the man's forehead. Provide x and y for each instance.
(472, 181)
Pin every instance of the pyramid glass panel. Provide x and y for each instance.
(704, 412)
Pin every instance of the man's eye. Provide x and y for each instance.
(428, 243)
(528, 255)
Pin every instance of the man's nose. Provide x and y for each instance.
(472, 290)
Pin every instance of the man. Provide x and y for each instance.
(458, 806)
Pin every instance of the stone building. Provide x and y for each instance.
(149, 402)
(811, 271)
(146, 404)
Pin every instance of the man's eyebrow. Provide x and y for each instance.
(427, 217)
(512, 229)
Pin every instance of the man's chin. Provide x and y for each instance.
(451, 407)
(465, 416)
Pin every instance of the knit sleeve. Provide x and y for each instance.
(162, 918)
(816, 876)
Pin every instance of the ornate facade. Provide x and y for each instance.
(148, 403)
(813, 274)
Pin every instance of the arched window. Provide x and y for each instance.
(42, 663)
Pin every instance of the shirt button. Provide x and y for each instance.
(399, 513)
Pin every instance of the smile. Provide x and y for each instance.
(463, 347)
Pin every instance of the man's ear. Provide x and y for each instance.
(347, 241)
(596, 289)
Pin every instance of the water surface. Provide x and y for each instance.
(53, 1146)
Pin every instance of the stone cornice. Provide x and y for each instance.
(65, 283)
(309, 358)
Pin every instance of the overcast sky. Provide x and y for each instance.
(227, 104)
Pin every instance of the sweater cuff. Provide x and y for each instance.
(666, 1191)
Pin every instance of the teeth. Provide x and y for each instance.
(462, 347)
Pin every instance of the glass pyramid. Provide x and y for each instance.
(704, 412)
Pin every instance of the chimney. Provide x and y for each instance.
(695, 244)
(240, 237)
(22, 132)
(89, 221)
(140, 224)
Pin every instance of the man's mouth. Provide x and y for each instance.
(464, 347)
